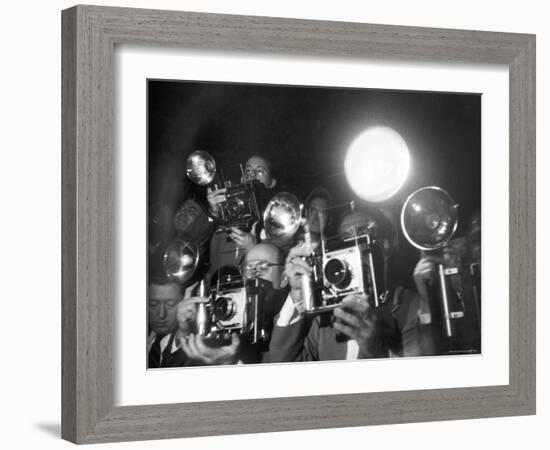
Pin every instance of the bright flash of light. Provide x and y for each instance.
(377, 164)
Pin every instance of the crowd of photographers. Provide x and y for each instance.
(401, 325)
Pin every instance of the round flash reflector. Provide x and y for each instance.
(377, 164)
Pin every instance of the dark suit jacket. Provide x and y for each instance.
(314, 339)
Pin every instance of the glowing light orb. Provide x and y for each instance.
(377, 164)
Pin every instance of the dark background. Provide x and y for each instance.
(305, 132)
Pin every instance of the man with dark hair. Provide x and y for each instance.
(316, 205)
(173, 341)
(255, 168)
(190, 219)
(188, 348)
(259, 168)
(163, 299)
(231, 248)
(357, 329)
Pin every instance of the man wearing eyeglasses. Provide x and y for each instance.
(263, 267)
(263, 263)
(356, 329)
(256, 168)
(229, 249)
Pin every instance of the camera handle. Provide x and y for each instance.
(256, 332)
(203, 318)
(307, 283)
(253, 307)
(371, 270)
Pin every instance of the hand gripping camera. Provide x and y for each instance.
(429, 219)
(344, 265)
(241, 208)
(233, 307)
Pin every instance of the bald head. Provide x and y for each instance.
(266, 253)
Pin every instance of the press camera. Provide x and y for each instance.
(234, 304)
(241, 207)
(344, 265)
(234, 307)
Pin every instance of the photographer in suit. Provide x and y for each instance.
(357, 329)
(263, 261)
(173, 340)
(256, 168)
(191, 348)
(191, 219)
(229, 249)
(163, 298)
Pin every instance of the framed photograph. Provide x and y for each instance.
(267, 222)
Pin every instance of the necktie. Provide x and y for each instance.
(154, 354)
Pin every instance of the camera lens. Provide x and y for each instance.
(223, 309)
(235, 207)
(337, 273)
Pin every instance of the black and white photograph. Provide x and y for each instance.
(261, 224)
(311, 223)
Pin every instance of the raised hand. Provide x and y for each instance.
(195, 349)
(242, 239)
(215, 197)
(296, 267)
(372, 328)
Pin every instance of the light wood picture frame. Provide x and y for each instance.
(89, 36)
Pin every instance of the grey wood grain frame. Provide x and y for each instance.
(89, 37)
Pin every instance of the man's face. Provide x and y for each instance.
(187, 216)
(163, 301)
(256, 168)
(264, 261)
(316, 214)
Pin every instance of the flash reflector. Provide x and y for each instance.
(377, 164)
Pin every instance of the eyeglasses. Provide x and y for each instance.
(252, 173)
(258, 269)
